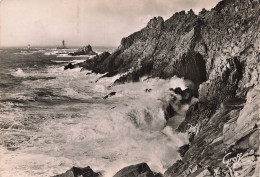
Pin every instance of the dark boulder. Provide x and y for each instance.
(169, 112)
(148, 90)
(79, 172)
(110, 74)
(178, 90)
(109, 95)
(171, 89)
(186, 94)
(138, 170)
(69, 66)
(88, 73)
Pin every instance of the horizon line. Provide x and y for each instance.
(33, 46)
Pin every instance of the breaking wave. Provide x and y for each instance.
(68, 123)
(19, 73)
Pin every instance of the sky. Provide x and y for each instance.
(82, 22)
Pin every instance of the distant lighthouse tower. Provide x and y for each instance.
(63, 45)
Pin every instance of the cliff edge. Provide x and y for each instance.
(218, 51)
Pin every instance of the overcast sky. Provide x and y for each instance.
(81, 22)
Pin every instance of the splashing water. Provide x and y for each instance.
(19, 73)
(62, 121)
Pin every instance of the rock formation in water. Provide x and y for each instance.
(79, 172)
(218, 51)
(69, 66)
(109, 95)
(138, 170)
(186, 95)
(86, 50)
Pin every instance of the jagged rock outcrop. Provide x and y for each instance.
(138, 170)
(86, 50)
(162, 48)
(109, 95)
(79, 172)
(91, 64)
(218, 50)
(69, 66)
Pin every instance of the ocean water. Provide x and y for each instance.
(51, 119)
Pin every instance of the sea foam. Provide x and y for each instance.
(82, 128)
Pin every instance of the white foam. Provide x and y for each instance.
(125, 129)
(59, 61)
(78, 61)
(19, 73)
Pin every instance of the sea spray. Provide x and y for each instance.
(63, 121)
(145, 111)
(19, 73)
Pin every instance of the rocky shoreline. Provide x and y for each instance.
(218, 51)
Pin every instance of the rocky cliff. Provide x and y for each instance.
(218, 51)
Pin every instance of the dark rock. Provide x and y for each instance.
(169, 112)
(79, 172)
(134, 52)
(92, 63)
(211, 171)
(224, 86)
(183, 149)
(175, 168)
(109, 95)
(138, 170)
(88, 73)
(186, 94)
(86, 50)
(110, 74)
(190, 65)
(69, 66)
(202, 12)
(171, 89)
(148, 90)
(178, 90)
(191, 136)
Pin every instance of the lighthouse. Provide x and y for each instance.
(63, 45)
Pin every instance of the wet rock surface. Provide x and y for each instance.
(186, 94)
(79, 172)
(109, 95)
(138, 170)
(69, 66)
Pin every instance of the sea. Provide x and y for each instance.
(52, 119)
